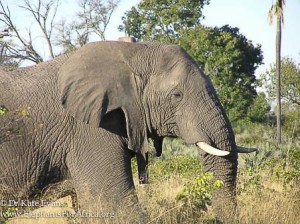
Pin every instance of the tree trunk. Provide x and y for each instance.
(278, 86)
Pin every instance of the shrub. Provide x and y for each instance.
(291, 123)
(3, 110)
(177, 166)
(198, 193)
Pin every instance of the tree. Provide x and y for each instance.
(92, 18)
(290, 85)
(277, 10)
(162, 20)
(223, 53)
(230, 60)
(43, 14)
(4, 58)
(257, 112)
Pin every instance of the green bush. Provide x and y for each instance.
(176, 147)
(177, 166)
(295, 157)
(250, 180)
(291, 123)
(198, 193)
(7, 213)
(3, 110)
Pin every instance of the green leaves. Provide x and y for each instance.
(3, 110)
(290, 81)
(230, 60)
(258, 109)
(224, 54)
(198, 193)
(162, 20)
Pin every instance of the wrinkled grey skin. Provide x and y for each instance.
(93, 110)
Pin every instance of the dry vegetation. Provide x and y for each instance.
(267, 186)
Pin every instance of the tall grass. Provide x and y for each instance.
(268, 183)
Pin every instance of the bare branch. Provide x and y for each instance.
(93, 18)
(24, 51)
(41, 16)
(4, 33)
(43, 13)
(53, 17)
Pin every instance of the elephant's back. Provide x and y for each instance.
(23, 86)
(30, 86)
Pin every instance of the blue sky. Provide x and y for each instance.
(250, 16)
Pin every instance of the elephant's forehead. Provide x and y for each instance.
(185, 72)
(180, 75)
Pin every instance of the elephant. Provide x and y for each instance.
(92, 110)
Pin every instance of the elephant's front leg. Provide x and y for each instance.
(101, 171)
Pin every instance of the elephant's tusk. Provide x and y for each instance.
(211, 150)
(245, 149)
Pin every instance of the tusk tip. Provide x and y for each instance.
(246, 149)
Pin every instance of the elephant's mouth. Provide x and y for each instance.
(217, 152)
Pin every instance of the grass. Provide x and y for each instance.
(269, 206)
(268, 183)
(257, 203)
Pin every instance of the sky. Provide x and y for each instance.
(250, 16)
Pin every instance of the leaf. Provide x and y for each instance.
(3, 110)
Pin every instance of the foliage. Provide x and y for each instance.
(8, 212)
(274, 166)
(3, 110)
(290, 82)
(198, 193)
(178, 165)
(294, 158)
(277, 10)
(173, 147)
(291, 123)
(230, 60)
(257, 112)
(223, 53)
(172, 167)
(250, 180)
(162, 20)
(188, 190)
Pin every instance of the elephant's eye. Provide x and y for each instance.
(176, 95)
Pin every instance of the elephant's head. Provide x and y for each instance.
(160, 91)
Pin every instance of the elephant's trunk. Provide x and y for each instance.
(224, 168)
(215, 130)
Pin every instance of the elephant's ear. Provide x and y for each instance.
(95, 82)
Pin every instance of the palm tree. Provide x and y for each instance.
(277, 10)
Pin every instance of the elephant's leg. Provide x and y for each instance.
(142, 162)
(103, 179)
